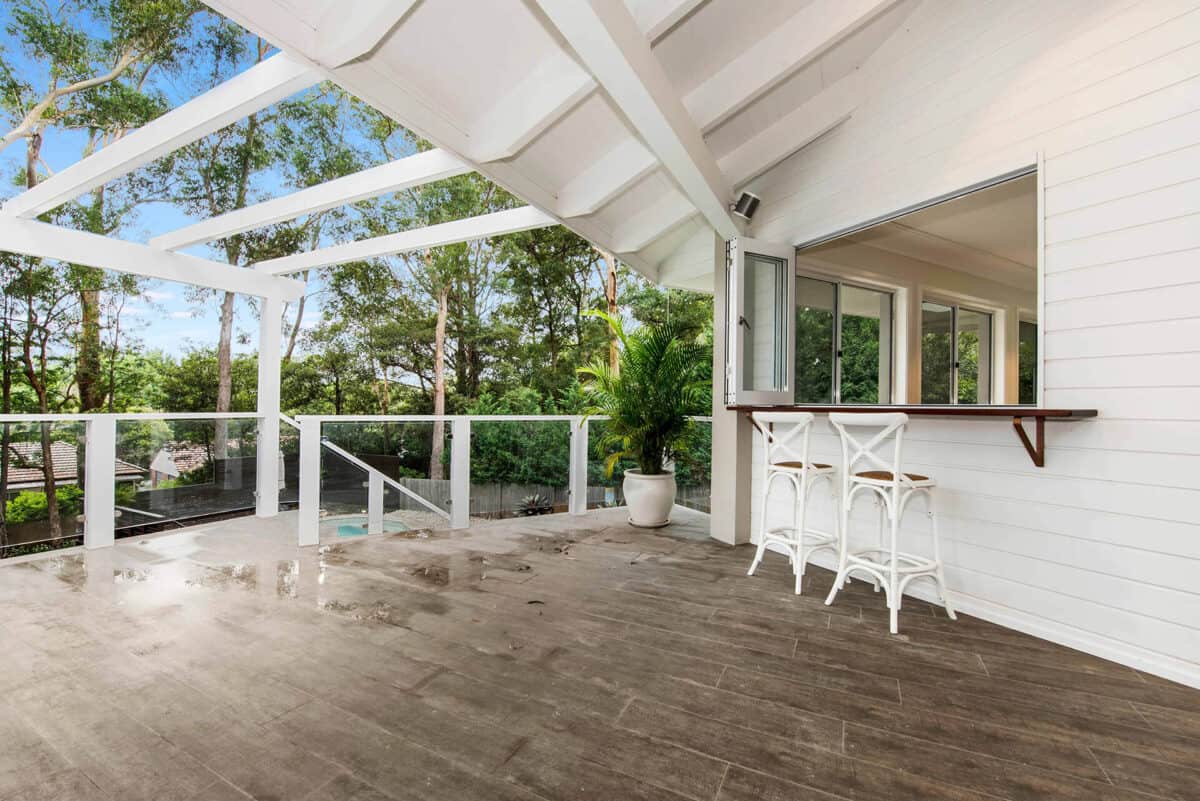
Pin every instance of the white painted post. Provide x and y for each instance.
(578, 488)
(269, 359)
(100, 488)
(374, 502)
(310, 481)
(460, 472)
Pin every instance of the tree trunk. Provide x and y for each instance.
(87, 367)
(439, 384)
(5, 408)
(610, 300)
(224, 375)
(287, 356)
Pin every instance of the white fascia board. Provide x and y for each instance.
(792, 132)
(608, 41)
(278, 77)
(803, 38)
(422, 168)
(472, 228)
(42, 240)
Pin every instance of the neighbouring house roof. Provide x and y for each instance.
(25, 468)
(186, 456)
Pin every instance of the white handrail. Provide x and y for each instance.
(83, 418)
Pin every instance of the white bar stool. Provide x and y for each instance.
(785, 456)
(894, 490)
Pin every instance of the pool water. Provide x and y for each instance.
(356, 526)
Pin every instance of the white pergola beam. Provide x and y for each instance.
(608, 41)
(803, 38)
(792, 132)
(656, 17)
(606, 178)
(523, 114)
(356, 32)
(472, 228)
(422, 168)
(258, 87)
(34, 238)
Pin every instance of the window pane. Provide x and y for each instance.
(1027, 363)
(937, 352)
(866, 345)
(764, 349)
(974, 356)
(814, 340)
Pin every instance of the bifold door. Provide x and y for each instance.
(762, 319)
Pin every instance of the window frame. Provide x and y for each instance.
(838, 282)
(956, 307)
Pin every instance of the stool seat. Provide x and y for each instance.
(799, 466)
(887, 477)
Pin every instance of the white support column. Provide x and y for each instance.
(460, 472)
(731, 432)
(100, 488)
(310, 481)
(374, 503)
(577, 502)
(269, 359)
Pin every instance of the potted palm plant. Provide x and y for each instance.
(660, 381)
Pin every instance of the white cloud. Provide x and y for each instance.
(181, 315)
(158, 296)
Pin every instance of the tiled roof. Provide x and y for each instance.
(26, 464)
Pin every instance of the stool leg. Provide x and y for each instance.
(937, 556)
(843, 544)
(893, 592)
(802, 492)
(882, 507)
(762, 526)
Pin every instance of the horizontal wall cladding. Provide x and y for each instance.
(1099, 549)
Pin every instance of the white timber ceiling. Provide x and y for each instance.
(633, 122)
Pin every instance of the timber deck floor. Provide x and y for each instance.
(547, 658)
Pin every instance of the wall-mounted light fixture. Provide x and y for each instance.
(746, 205)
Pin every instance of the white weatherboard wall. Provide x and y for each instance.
(1099, 550)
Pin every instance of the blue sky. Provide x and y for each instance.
(170, 317)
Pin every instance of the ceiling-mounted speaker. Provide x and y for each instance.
(746, 205)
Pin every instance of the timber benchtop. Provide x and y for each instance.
(1036, 449)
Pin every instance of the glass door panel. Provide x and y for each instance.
(816, 338)
(866, 349)
(974, 360)
(1027, 363)
(937, 352)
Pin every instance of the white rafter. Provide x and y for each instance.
(481, 227)
(256, 88)
(669, 211)
(423, 168)
(524, 113)
(790, 133)
(606, 178)
(354, 35)
(607, 39)
(656, 17)
(803, 38)
(46, 241)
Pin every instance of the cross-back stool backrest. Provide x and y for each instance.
(869, 445)
(782, 444)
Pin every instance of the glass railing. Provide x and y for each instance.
(172, 472)
(41, 486)
(520, 468)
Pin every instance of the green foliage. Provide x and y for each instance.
(660, 383)
(30, 505)
(519, 452)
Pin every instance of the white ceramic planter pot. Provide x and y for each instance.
(649, 498)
